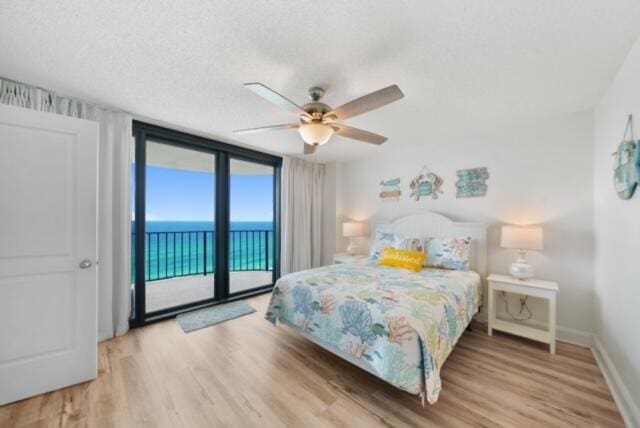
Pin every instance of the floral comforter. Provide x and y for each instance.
(401, 324)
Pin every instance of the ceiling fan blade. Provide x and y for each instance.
(309, 149)
(275, 98)
(367, 103)
(266, 128)
(358, 134)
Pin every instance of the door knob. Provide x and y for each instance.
(85, 264)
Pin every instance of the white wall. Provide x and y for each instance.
(617, 237)
(540, 173)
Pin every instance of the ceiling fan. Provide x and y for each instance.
(318, 121)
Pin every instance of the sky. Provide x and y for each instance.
(178, 195)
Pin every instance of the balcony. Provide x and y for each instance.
(180, 265)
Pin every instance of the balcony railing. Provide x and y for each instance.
(176, 254)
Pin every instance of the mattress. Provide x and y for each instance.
(398, 324)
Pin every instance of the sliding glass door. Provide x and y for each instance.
(205, 220)
(251, 243)
(180, 233)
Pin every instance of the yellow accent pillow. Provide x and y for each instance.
(411, 260)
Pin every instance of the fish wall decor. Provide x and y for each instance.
(390, 190)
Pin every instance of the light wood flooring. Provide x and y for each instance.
(247, 373)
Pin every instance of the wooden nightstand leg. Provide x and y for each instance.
(552, 324)
(490, 309)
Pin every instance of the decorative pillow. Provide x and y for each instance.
(382, 240)
(448, 253)
(411, 260)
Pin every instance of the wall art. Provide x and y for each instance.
(472, 183)
(426, 183)
(390, 190)
(626, 165)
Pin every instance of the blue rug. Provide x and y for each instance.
(216, 314)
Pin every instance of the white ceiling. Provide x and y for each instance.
(465, 66)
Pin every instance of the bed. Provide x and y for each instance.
(397, 324)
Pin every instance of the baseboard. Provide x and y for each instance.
(628, 409)
(574, 336)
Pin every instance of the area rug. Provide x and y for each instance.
(216, 314)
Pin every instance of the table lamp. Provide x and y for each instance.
(351, 230)
(521, 238)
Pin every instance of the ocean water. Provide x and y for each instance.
(181, 248)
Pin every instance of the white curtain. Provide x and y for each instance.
(114, 211)
(302, 186)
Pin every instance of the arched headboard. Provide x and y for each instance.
(433, 224)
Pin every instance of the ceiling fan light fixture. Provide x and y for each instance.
(315, 133)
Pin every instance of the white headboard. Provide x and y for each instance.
(433, 224)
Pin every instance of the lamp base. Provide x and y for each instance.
(521, 269)
(352, 248)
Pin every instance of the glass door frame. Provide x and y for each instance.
(142, 132)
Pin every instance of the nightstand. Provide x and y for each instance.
(530, 287)
(340, 258)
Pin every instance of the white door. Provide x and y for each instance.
(48, 247)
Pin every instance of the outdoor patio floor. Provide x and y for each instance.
(171, 292)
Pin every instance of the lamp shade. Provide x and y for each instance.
(315, 133)
(351, 229)
(521, 237)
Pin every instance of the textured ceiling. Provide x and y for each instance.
(465, 66)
